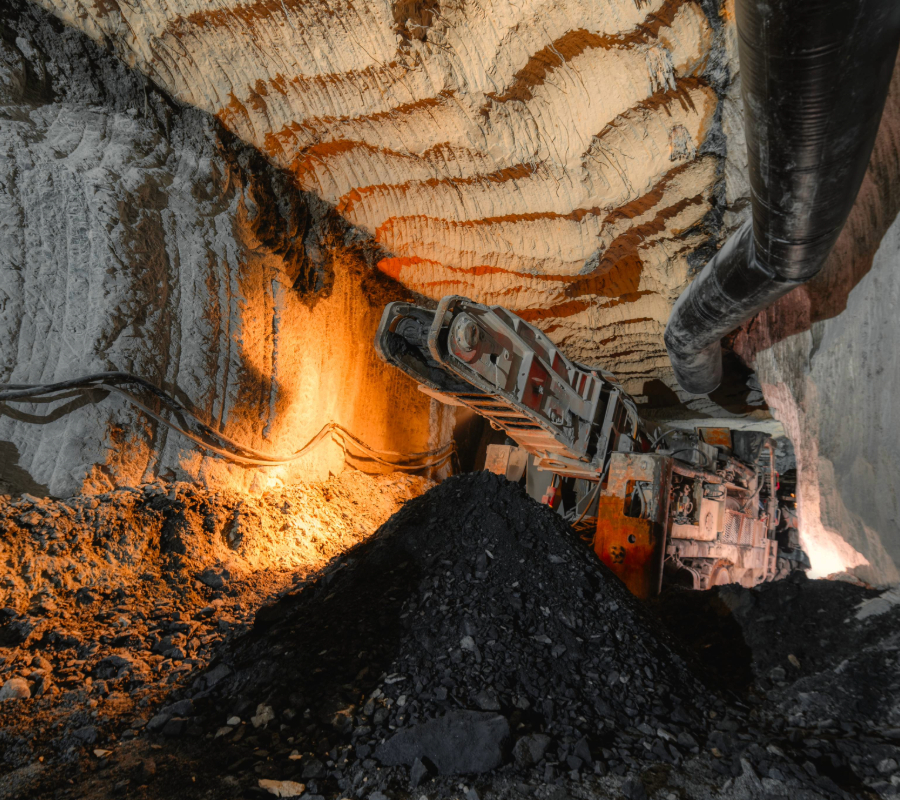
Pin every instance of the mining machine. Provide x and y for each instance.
(700, 508)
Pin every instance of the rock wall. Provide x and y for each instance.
(201, 197)
(138, 235)
(825, 357)
(225, 204)
(835, 387)
(561, 158)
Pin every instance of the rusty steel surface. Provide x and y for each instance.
(568, 416)
(721, 437)
(506, 460)
(633, 547)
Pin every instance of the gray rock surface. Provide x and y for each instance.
(458, 743)
(836, 385)
(137, 234)
(15, 689)
(529, 750)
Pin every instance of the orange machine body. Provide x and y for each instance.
(632, 516)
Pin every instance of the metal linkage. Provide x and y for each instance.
(486, 358)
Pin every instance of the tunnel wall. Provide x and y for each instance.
(139, 235)
(562, 159)
(835, 387)
(824, 355)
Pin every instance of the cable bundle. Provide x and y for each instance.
(203, 435)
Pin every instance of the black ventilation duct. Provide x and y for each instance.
(814, 78)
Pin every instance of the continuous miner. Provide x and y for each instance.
(416, 400)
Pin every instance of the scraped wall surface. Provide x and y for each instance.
(835, 386)
(556, 157)
(139, 236)
(825, 355)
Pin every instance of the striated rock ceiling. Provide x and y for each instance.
(560, 158)
(576, 162)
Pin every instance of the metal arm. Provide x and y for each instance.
(570, 417)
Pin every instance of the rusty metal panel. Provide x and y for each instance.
(721, 437)
(497, 458)
(634, 547)
(506, 460)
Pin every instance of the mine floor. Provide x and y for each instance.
(167, 642)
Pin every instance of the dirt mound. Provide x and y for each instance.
(477, 608)
(108, 603)
(175, 532)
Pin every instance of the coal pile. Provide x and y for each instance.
(818, 662)
(830, 667)
(474, 631)
(473, 647)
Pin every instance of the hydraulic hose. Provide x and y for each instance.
(814, 79)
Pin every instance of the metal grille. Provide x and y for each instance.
(746, 538)
(732, 531)
(742, 530)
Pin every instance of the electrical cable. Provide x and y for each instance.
(592, 495)
(640, 492)
(590, 502)
(225, 447)
(658, 440)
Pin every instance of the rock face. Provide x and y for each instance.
(836, 387)
(140, 236)
(458, 743)
(825, 357)
(225, 204)
(563, 159)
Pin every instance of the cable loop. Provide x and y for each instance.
(222, 445)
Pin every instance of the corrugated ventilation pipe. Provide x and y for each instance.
(814, 78)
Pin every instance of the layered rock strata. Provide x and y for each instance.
(558, 158)
(138, 235)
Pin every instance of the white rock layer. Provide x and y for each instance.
(545, 155)
(127, 244)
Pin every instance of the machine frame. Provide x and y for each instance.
(699, 507)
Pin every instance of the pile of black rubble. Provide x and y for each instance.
(473, 631)
(475, 635)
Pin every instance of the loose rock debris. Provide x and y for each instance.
(474, 647)
(471, 620)
(109, 602)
